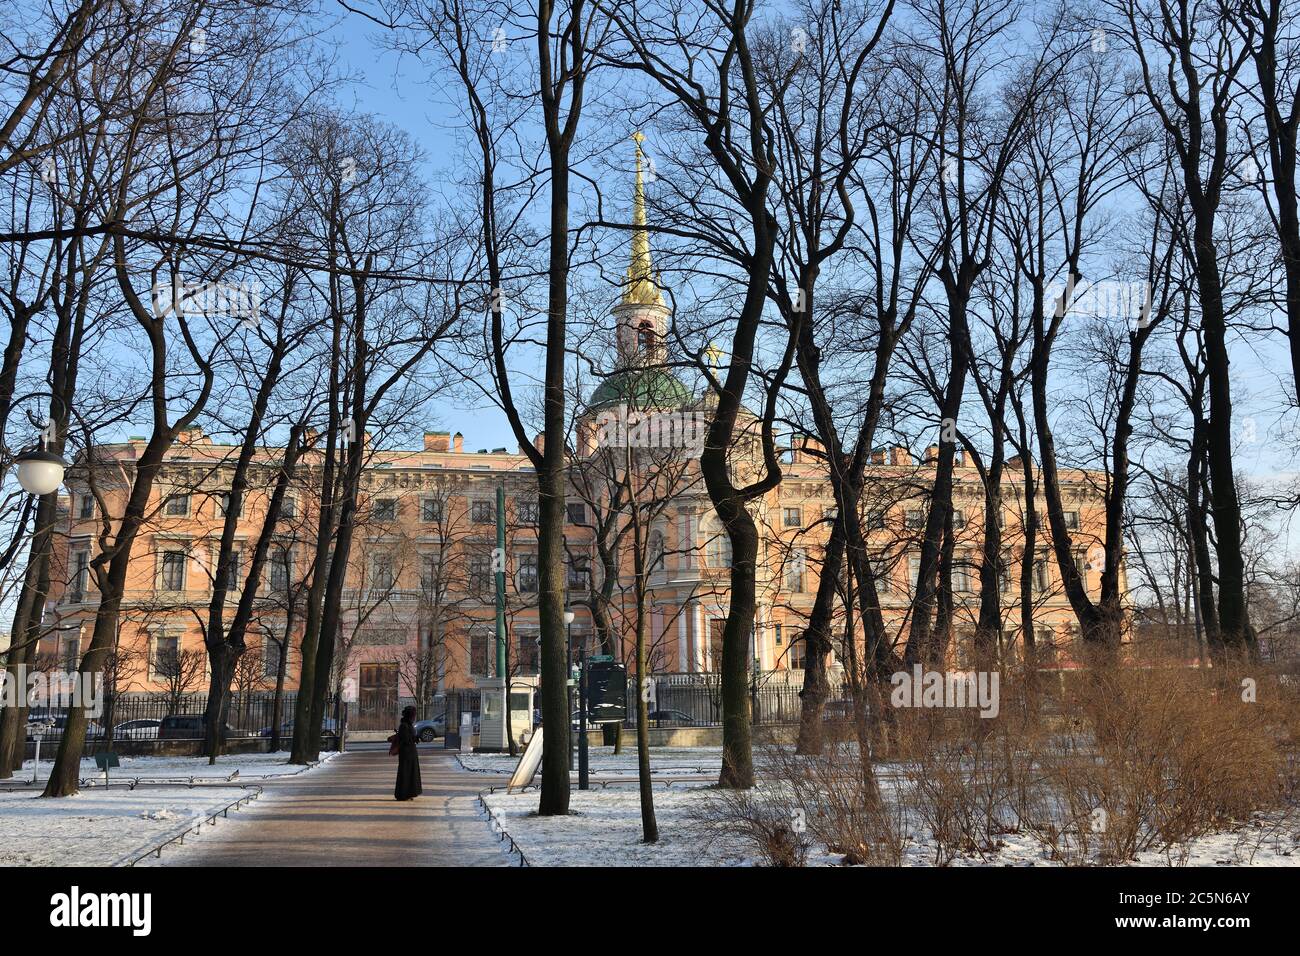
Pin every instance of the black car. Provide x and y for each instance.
(328, 726)
(676, 717)
(191, 727)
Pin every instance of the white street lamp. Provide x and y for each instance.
(40, 472)
(568, 618)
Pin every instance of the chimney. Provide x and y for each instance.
(802, 448)
(898, 455)
(437, 441)
(539, 442)
(931, 454)
(458, 443)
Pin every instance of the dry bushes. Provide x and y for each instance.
(1152, 757)
(1095, 766)
(1100, 766)
(827, 800)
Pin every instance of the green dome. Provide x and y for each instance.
(640, 388)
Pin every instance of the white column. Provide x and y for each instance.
(701, 640)
(681, 640)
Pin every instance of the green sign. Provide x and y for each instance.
(106, 759)
(600, 658)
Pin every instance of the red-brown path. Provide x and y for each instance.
(343, 814)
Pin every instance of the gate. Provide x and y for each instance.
(376, 698)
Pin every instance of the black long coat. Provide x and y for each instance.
(408, 763)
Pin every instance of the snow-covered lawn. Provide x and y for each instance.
(100, 827)
(248, 766)
(665, 761)
(604, 829)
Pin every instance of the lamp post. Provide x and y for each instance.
(40, 471)
(568, 677)
(583, 780)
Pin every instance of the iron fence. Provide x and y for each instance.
(700, 704)
(138, 718)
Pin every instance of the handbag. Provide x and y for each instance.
(392, 746)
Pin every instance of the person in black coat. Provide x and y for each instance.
(408, 758)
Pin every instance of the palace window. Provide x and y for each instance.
(87, 502)
(527, 511)
(881, 572)
(381, 578)
(528, 656)
(792, 517)
(171, 571)
(577, 512)
(527, 575)
(480, 573)
(178, 505)
(655, 552)
(164, 656)
(914, 519)
(233, 578)
(70, 653)
(430, 510)
(80, 576)
(575, 566)
(282, 570)
(384, 509)
(429, 575)
(483, 511)
(270, 658)
(1042, 577)
(794, 568)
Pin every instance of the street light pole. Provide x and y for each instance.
(583, 781)
(568, 680)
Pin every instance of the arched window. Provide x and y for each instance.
(645, 335)
(655, 551)
(717, 544)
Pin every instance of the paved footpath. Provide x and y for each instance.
(343, 814)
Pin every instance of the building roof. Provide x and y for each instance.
(642, 388)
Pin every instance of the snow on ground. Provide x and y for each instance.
(664, 761)
(604, 829)
(100, 827)
(249, 766)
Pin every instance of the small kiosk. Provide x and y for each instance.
(493, 726)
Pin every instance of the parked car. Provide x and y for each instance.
(142, 729)
(435, 727)
(191, 727)
(432, 728)
(328, 726)
(54, 724)
(671, 717)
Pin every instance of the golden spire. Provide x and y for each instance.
(640, 288)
